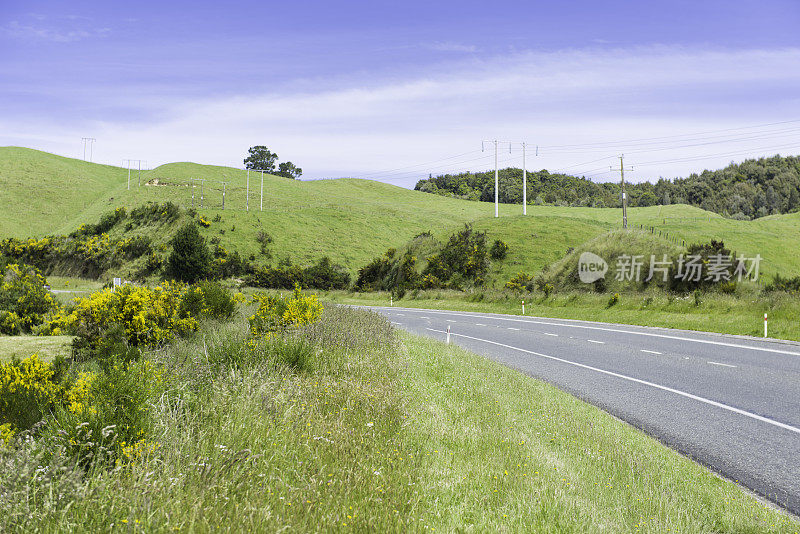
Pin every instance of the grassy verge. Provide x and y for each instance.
(725, 314)
(350, 426)
(47, 347)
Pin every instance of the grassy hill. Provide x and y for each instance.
(349, 220)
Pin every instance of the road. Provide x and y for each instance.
(731, 403)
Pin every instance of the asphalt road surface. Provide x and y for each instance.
(730, 402)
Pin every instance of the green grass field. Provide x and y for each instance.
(46, 347)
(349, 220)
(377, 431)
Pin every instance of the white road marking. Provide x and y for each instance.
(509, 328)
(618, 330)
(650, 351)
(450, 321)
(479, 324)
(639, 381)
(549, 334)
(598, 342)
(722, 364)
(423, 317)
(401, 314)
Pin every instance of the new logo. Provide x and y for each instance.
(591, 267)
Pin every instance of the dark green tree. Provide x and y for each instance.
(289, 170)
(260, 158)
(190, 259)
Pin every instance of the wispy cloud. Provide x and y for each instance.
(64, 29)
(450, 47)
(557, 98)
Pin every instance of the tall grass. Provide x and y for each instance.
(373, 432)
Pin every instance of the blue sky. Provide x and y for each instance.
(394, 91)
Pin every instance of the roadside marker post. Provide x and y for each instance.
(448, 334)
(523, 307)
(765, 325)
(391, 300)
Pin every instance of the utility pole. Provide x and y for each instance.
(524, 145)
(89, 140)
(496, 177)
(128, 162)
(624, 196)
(524, 196)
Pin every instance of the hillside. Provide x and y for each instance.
(352, 221)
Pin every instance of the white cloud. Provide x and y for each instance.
(567, 97)
(56, 31)
(451, 47)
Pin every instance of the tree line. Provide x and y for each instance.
(748, 190)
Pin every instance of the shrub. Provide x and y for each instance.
(115, 421)
(153, 212)
(548, 290)
(24, 299)
(31, 388)
(190, 259)
(277, 314)
(327, 275)
(499, 250)
(218, 301)
(148, 317)
(521, 282)
(613, 300)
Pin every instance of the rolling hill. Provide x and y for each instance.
(349, 220)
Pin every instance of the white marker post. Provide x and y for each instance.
(448, 334)
(765, 325)
(391, 300)
(523, 307)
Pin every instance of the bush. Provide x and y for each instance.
(218, 301)
(24, 299)
(148, 317)
(190, 259)
(32, 388)
(153, 212)
(613, 300)
(499, 250)
(327, 275)
(521, 282)
(115, 421)
(277, 314)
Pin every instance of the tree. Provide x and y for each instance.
(289, 170)
(190, 259)
(260, 159)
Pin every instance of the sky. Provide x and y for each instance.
(397, 91)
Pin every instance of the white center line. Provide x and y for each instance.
(423, 317)
(479, 324)
(401, 314)
(549, 334)
(598, 342)
(450, 321)
(509, 328)
(650, 351)
(639, 381)
(722, 364)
